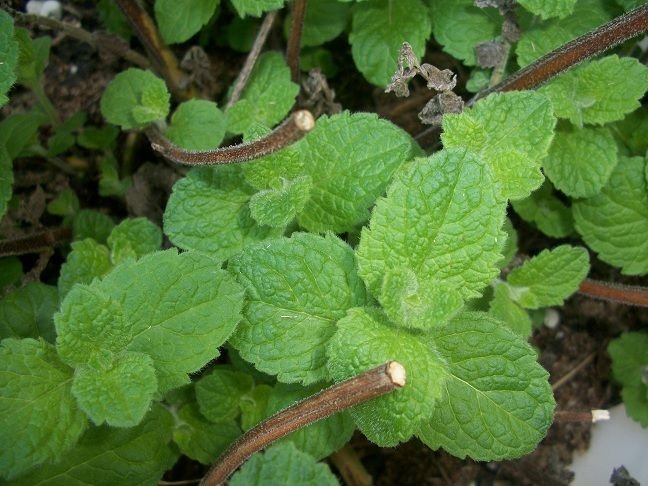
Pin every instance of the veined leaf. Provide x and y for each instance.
(178, 21)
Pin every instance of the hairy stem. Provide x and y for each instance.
(294, 41)
(242, 78)
(590, 416)
(613, 292)
(599, 40)
(291, 130)
(370, 384)
(35, 243)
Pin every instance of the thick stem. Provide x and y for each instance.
(35, 243)
(591, 416)
(613, 292)
(294, 41)
(600, 40)
(241, 79)
(291, 130)
(371, 384)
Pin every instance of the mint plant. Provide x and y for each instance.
(341, 251)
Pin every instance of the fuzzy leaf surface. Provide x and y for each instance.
(604, 220)
(496, 401)
(278, 207)
(255, 7)
(197, 125)
(350, 159)
(87, 260)
(89, 223)
(39, 417)
(365, 339)
(208, 211)
(441, 219)
(505, 309)
(178, 21)
(547, 9)
(27, 312)
(583, 94)
(580, 161)
(32, 58)
(511, 132)
(546, 211)
(134, 238)
(629, 361)
(270, 171)
(219, 393)
(106, 456)
(378, 31)
(297, 289)
(283, 464)
(550, 277)
(8, 56)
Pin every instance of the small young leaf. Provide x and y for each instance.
(365, 339)
(580, 161)
(629, 355)
(27, 312)
(267, 97)
(511, 246)
(459, 26)
(113, 19)
(197, 125)
(135, 98)
(600, 91)
(324, 20)
(219, 393)
(120, 395)
(110, 183)
(496, 402)
(297, 289)
(505, 309)
(133, 238)
(87, 260)
(511, 132)
(39, 417)
(350, 159)
(8, 56)
(603, 220)
(208, 211)
(549, 277)
(441, 219)
(178, 21)
(546, 211)
(283, 464)
(33, 57)
(19, 131)
(65, 204)
(319, 439)
(378, 31)
(98, 137)
(548, 9)
(106, 456)
(89, 223)
(253, 406)
(278, 207)
(255, 7)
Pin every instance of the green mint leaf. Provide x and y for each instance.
(109, 182)
(351, 159)
(27, 312)
(580, 161)
(106, 456)
(33, 57)
(546, 211)
(253, 406)
(11, 271)
(459, 27)
(632, 132)
(511, 132)
(583, 94)
(297, 289)
(548, 9)
(180, 21)
(89, 223)
(255, 7)
(267, 97)
(510, 249)
(87, 260)
(6, 180)
(98, 137)
(283, 464)
(549, 278)
(219, 393)
(8, 56)
(324, 21)
(133, 238)
(503, 308)
(197, 125)
(417, 226)
(120, 395)
(65, 204)
(270, 171)
(378, 31)
(603, 220)
(364, 339)
(496, 402)
(39, 417)
(135, 98)
(19, 131)
(319, 439)
(113, 19)
(199, 438)
(539, 38)
(629, 361)
(208, 211)
(278, 207)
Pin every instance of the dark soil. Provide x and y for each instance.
(75, 80)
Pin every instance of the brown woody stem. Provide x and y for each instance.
(591, 416)
(599, 40)
(294, 41)
(371, 384)
(35, 243)
(291, 130)
(623, 294)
